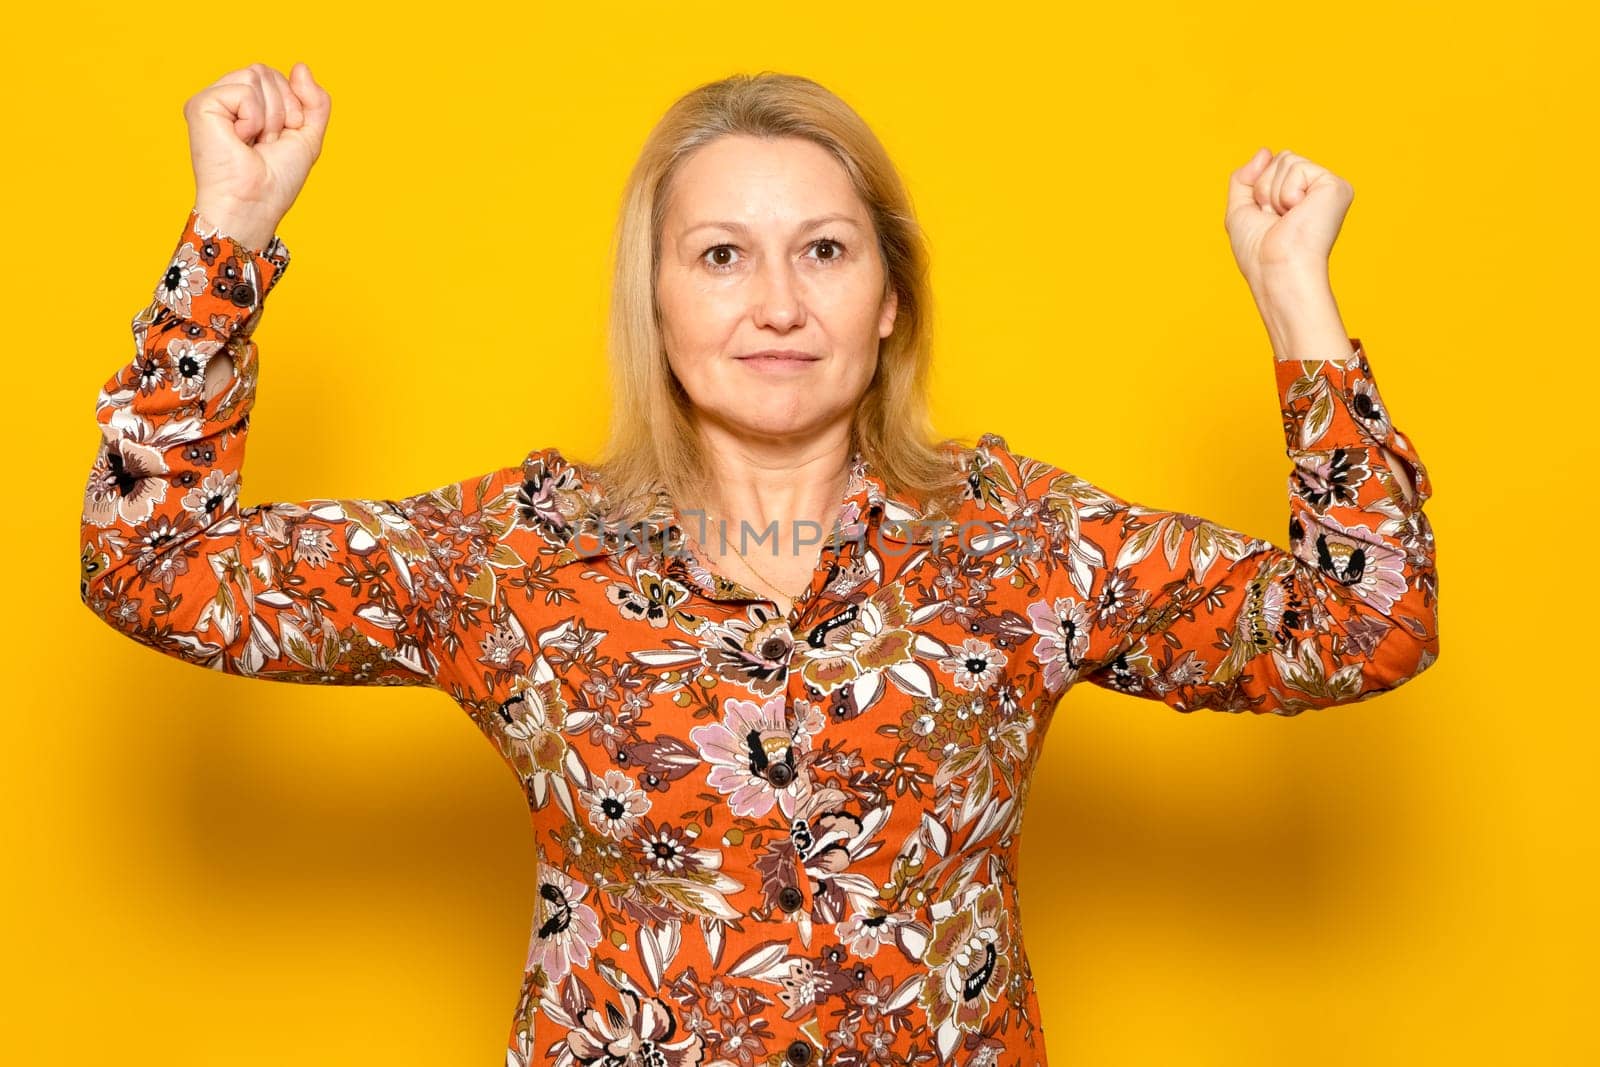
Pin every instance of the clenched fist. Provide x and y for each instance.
(1284, 213)
(253, 135)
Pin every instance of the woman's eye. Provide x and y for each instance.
(719, 257)
(829, 242)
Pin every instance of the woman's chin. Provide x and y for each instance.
(775, 423)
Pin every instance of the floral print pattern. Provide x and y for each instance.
(761, 839)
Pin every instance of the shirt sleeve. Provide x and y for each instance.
(323, 591)
(1177, 608)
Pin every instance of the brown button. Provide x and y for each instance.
(780, 774)
(798, 1052)
(790, 898)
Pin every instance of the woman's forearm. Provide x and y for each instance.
(1302, 317)
(1303, 323)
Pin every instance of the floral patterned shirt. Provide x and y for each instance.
(761, 839)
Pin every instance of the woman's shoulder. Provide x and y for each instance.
(545, 481)
(1015, 479)
(994, 479)
(992, 449)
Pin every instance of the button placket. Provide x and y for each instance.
(782, 775)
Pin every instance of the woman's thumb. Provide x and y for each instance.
(315, 103)
(1241, 182)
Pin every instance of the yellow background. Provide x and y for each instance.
(212, 870)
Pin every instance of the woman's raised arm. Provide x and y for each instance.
(1178, 608)
(342, 592)
(322, 591)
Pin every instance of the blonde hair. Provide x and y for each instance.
(653, 445)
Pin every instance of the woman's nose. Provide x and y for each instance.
(778, 300)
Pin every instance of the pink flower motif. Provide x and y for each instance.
(976, 665)
(615, 804)
(739, 749)
(185, 279)
(635, 1031)
(1063, 629)
(565, 930)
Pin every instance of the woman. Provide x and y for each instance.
(775, 676)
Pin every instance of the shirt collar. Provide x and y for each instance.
(867, 511)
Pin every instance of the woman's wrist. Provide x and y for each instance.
(1302, 318)
(247, 227)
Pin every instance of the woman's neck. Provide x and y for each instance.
(759, 497)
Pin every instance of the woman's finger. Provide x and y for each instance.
(1262, 190)
(273, 123)
(1241, 182)
(293, 114)
(1294, 192)
(237, 100)
(252, 111)
(315, 102)
(1275, 181)
(1291, 164)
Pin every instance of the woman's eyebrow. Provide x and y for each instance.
(739, 227)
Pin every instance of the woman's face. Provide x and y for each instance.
(766, 245)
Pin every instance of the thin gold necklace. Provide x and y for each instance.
(769, 582)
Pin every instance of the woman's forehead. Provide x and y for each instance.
(752, 181)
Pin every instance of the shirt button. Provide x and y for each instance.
(790, 898)
(780, 774)
(798, 1052)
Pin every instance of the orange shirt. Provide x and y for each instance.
(760, 839)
